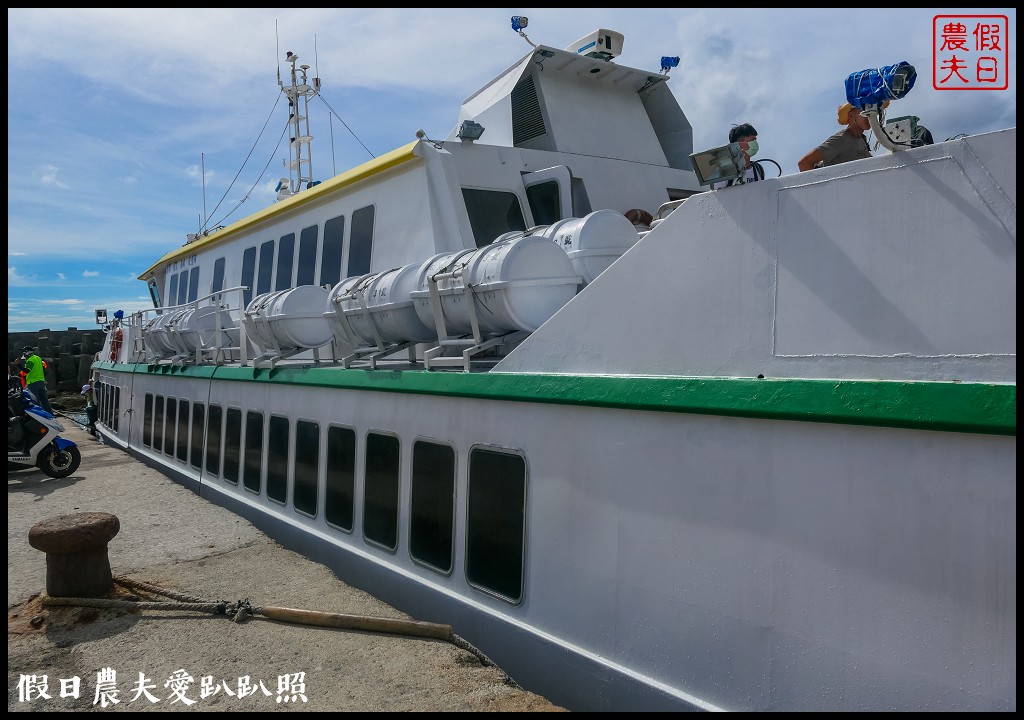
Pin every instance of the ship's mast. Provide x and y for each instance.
(299, 93)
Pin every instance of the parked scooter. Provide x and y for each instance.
(33, 437)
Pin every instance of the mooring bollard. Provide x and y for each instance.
(76, 553)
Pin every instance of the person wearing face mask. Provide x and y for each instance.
(746, 136)
(846, 145)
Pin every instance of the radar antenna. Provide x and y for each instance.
(299, 92)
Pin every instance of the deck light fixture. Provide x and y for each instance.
(470, 130)
(720, 163)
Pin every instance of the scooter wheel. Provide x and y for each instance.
(60, 463)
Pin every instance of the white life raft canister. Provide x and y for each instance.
(594, 241)
(515, 284)
(379, 305)
(288, 319)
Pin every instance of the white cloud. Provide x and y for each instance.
(90, 273)
(13, 278)
(48, 176)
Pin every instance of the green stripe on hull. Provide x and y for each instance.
(949, 406)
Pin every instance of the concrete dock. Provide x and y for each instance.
(74, 658)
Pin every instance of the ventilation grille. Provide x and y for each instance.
(527, 120)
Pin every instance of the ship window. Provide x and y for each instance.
(101, 393)
(253, 468)
(172, 291)
(285, 261)
(266, 267)
(307, 256)
(496, 522)
(154, 293)
(360, 245)
(232, 445)
(147, 421)
(330, 260)
(380, 504)
(545, 202)
(181, 447)
(117, 406)
(213, 433)
(339, 497)
(307, 466)
(492, 213)
(158, 424)
(277, 459)
(193, 284)
(100, 397)
(218, 276)
(198, 420)
(169, 428)
(183, 288)
(432, 505)
(248, 272)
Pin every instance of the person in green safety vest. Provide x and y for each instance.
(35, 377)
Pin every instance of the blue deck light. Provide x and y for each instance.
(876, 85)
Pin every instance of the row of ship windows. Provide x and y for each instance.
(491, 214)
(231, 445)
(258, 272)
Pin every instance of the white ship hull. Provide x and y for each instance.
(763, 460)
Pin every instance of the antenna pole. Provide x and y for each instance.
(300, 89)
(202, 164)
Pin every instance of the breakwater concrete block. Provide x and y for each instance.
(68, 354)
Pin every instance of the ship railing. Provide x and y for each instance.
(165, 334)
(664, 211)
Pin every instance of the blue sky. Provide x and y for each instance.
(114, 114)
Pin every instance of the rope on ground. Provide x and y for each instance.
(242, 609)
(105, 604)
(68, 417)
(155, 590)
(464, 644)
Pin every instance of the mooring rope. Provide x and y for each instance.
(105, 604)
(240, 610)
(155, 590)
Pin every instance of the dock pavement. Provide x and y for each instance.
(72, 658)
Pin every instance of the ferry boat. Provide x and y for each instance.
(647, 445)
